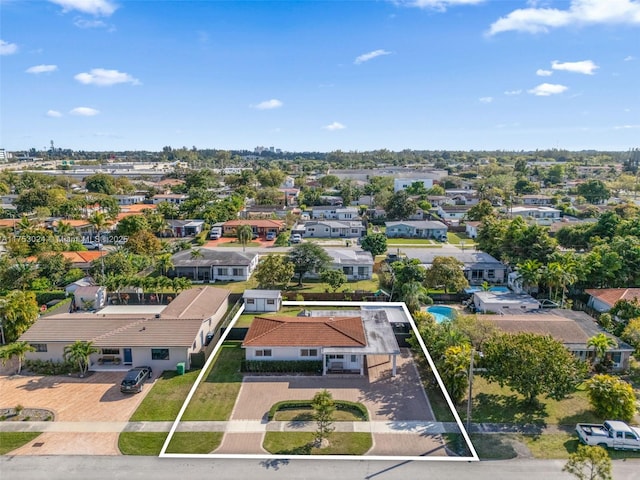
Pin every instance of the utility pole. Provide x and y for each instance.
(470, 398)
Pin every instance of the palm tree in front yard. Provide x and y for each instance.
(79, 352)
(600, 344)
(16, 349)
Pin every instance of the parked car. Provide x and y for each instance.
(296, 238)
(612, 434)
(134, 379)
(271, 236)
(92, 245)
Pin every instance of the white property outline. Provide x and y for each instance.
(205, 368)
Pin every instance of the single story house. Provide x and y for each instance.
(185, 228)
(603, 299)
(471, 229)
(478, 267)
(453, 213)
(340, 340)
(259, 226)
(572, 328)
(80, 259)
(404, 183)
(355, 264)
(262, 300)
(544, 200)
(83, 282)
(334, 229)
(129, 199)
(209, 265)
(175, 198)
(327, 212)
(156, 335)
(537, 213)
(504, 302)
(416, 229)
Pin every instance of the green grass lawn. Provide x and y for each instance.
(166, 397)
(299, 443)
(194, 442)
(316, 286)
(141, 443)
(493, 404)
(216, 395)
(235, 243)
(9, 441)
(560, 445)
(457, 238)
(414, 242)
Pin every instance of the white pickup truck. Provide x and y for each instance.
(612, 434)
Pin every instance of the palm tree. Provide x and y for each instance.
(65, 230)
(163, 283)
(16, 349)
(413, 293)
(180, 284)
(98, 221)
(79, 352)
(196, 254)
(245, 234)
(529, 273)
(164, 263)
(600, 344)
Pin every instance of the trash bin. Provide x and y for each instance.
(180, 368)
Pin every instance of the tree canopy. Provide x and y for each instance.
(307, 257)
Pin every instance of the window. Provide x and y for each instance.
(347, 270)
(336, 357)
(362, 271)
(159, 354)
(250, 301)
(223, 271)
(354, 358)
(309, 352)
(110, 351)
(271, 301)
(491, 274)
(263, 353)
(355, 230)
(237, 272)
(40, 347)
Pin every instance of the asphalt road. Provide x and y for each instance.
(122, 467)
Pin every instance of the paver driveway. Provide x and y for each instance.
(96, 398)
(399, 398)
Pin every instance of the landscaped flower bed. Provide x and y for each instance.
(19, 414)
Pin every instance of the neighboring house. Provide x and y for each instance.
(504, 302)
(334, 229)
(333, 213)
(185, 228)
(453, 213)
(471, 229)
(538, 213)
(574, 330)
(175, 198)
(355, 264)
(83, 282)
(259, 227)
(90, 297)
(262, 300)
(80, 259)
(603, 299)
(478, 267)
(404, 183)
(156, 335)
(267, 211)
(544, 200)
(129, 199)
(81, 227)
(416, 229)
(289, 182)
(339, 340)
(212, 265)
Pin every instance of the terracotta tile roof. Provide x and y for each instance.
(306, 331)
(8, 222)
(611, 295)
(255, 223)
(73, 223)
(138, 207)
(84, 257)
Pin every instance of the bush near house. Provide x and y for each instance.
(281, 366)
(359, 409)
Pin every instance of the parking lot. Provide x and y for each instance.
(96, 398)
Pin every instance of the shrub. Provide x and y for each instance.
(49, 367)
(43, 298)
(612, 397)
(282, 366)
(344, 405)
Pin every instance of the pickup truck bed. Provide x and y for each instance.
(612, 434)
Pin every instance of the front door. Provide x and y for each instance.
(128, 360)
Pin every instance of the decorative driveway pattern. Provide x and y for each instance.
(96, 398)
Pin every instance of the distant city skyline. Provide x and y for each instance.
(320, 76)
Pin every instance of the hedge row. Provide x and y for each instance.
(282, 366)
(344, 405)
(45, 297)
(49, 367)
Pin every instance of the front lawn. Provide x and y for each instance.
(414, 242)
(167, 395)
(216, 395)
(9, 441)
(194, 442)
(560, 445)
(299, 443)
(458, 238)
(141, 443)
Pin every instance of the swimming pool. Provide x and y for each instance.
(492, 289)
(442, 313)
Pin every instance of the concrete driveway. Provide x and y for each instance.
(400, 398)
(96, 398)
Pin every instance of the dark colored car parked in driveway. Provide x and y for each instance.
(134, 379)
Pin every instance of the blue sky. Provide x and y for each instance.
(320, 76)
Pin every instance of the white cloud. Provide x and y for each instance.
(269, 104)
(586, 67)
(626, 127)
(546, 89)
(513, 92)
(365, 57)
(440, 5)
(629, 58)
(84, 23)
(544, 73)
(91, 7)
(485, 99)
(84, 111)
(42, 69)
(580, 12)
(334, 126)
(53, 114)
(7, 48)
(105, 78)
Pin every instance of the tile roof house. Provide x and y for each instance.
(259, 226)
(156, 335)
(572, 328)
(341, 343)
(603, 299)
(210, 265)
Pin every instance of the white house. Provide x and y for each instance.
(471, 229)
(327, 212)
(175, 198)
(537, 213)
(132, 199)
(262, 300)
(416, 229)
(83, 282)
(355, 264)
(209, 265)
(478, 267)
(404, 183)
(334, 229)
(125, 335)
(504, 302)
(90, 297)
(453, 213)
